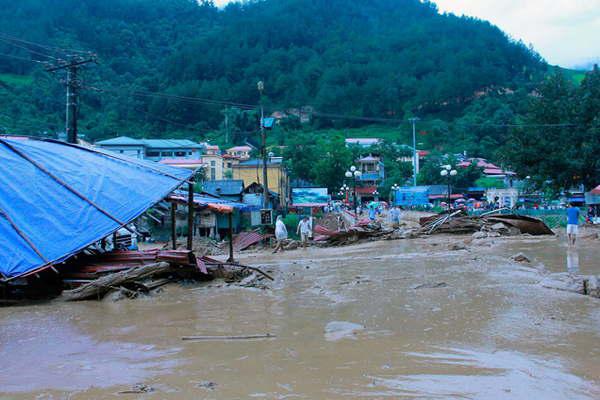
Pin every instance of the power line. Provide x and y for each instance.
(188, 99)
(27, 49)
(41, 46)
(22, 58)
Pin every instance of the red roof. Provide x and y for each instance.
(366, 190)
(596, 190)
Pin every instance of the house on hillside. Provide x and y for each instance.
(153, 149)
(362, 142)
(242, 153)
(489, 170)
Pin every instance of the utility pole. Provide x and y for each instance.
(73, 85)
(414, 133)
(263, 137)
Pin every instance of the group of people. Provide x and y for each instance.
(304, 230)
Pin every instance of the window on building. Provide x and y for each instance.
(213, 174)
(152, 154)
(229, 165)
(213, 163)
(180, 153)
(166, 154)
(121, 151)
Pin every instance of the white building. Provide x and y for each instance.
(153, 149)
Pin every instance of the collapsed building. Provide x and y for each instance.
(60, 203)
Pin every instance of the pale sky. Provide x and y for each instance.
(564, 32)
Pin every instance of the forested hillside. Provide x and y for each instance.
(380, 58)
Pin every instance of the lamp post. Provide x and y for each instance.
(376, 195)
(393, 189)
(354, 174)
(448, 172)
(344, 191)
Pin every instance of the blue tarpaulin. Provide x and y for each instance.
(56, 199)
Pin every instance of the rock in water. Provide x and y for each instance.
(337, 330)
(522, 258)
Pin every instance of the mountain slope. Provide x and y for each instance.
(382, 58)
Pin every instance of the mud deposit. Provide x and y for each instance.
(399, 319)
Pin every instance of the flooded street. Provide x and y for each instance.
(388, 319)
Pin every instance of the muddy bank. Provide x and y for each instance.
(366, 321)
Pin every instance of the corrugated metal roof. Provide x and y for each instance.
(256, 162)
(227, 187)
(150, 143)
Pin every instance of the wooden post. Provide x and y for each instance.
(190, 230)
(230, 219)
(174, 225)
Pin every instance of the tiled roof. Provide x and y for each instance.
(240, 148)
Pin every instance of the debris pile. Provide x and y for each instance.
(364, 230)
(483, 226)
(205, 246)
(247, 240)
(131, 273)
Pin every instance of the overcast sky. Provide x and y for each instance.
(564, 32)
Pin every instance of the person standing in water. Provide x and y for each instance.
(304, 231)
(572, 224)
(281, 234)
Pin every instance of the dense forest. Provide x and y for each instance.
(183, 68)
(381, 58)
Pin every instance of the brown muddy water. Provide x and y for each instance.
(404, 319)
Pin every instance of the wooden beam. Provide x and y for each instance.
(173, 225)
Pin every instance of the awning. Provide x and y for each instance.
(57, 199)
(212, 203)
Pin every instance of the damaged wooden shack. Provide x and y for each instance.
(59, 206)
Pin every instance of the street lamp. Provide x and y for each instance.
(376, 195)
(354, 174)
(394, 189)
(448, 172)
(344, 191)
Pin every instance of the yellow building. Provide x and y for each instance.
(213, 166)
(251, 171)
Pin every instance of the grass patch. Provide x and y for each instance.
(16, 80)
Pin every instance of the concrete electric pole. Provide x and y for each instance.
(263, 137)
(73, 84)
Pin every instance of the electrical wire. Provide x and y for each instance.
(27, 49)
(41, 46)
(22, 58)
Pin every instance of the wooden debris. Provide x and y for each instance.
(98, 288)
(238, 337)
(430, 285)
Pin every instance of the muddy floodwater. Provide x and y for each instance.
(394, 319)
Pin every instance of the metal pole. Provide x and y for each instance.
(190, 230)
(355, 199)
(448, 190)
(414, 132)
(230, 219)
(173, 225)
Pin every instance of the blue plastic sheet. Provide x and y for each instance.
(72, 198)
